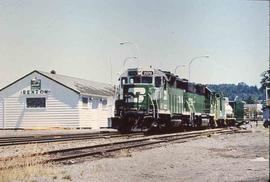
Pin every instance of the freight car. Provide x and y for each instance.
(238, 108)
(153, 100)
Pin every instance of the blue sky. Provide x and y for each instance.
(80, 38)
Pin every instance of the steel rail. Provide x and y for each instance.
(56, 138)
(53, 135)
(79, 152)
(116, 148)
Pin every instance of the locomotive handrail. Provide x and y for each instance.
(157, 109)
(154, 112)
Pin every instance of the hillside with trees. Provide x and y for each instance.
(242, 91)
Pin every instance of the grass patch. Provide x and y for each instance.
(32, 168)
(67, 177)
(124, 153)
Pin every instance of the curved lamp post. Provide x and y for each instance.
(178, 66)
(191, 61)
(127, 59)
(136, 46)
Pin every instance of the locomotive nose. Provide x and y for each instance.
(136, 97)
(137, 94)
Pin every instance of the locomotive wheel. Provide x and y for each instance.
(124, 130)
(153, 129)
(124, 126)
(212, 123)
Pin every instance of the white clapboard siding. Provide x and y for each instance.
(108, 110)
(61, 106)
(56, 114)
(1, 113)
(95, 117)
(89, 117)
(64, 106)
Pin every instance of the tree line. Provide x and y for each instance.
(241, 91)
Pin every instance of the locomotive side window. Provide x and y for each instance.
(157, 81)
(123, 80)
(85, 101)
(147, 79)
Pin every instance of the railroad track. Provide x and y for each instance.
(20, 140)
(101, 149)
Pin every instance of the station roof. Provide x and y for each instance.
(78, 85)
(82, 86)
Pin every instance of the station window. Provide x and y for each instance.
(95, 103)
(85, 101)
(135, 79)
(104, 102)
(147, 79)
(38, 102)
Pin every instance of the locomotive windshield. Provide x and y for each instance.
(147, 79)
(143, 79)
(135, 79)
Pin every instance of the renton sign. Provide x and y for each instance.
(28, 92)
(35, 88)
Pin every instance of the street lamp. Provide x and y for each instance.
(195, 58)
(136, 46)
(181, 65)
(127, 59)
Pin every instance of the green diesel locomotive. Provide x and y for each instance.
(152, 99)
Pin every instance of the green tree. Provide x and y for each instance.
(251, 100)
(265, 81)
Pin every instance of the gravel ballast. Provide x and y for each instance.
(237, 157)
(232, 157)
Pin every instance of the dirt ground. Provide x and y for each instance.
(236, 157)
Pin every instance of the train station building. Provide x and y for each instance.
(49, 100)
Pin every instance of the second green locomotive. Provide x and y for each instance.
(152, 99)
